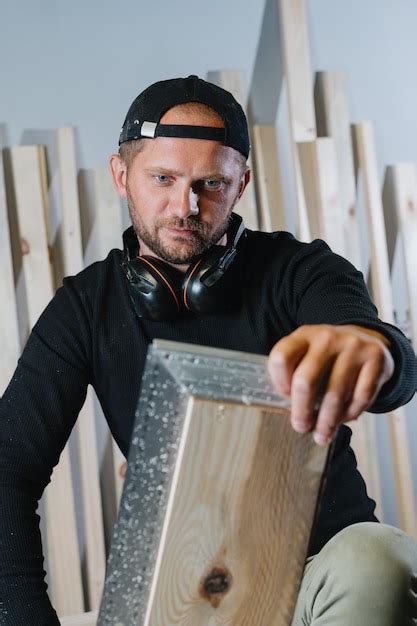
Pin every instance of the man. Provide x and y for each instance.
(190, 272)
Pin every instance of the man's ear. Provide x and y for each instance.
(118, 170)
(244, 182)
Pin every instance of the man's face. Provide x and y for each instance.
(181, 192)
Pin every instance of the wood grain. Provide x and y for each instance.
(10, 341)
(268, 178)
(26, 197)
(400, 210)
(238, 521)
(321, 188)
(299, 88)
(366, 162)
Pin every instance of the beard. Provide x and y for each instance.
(182, 250)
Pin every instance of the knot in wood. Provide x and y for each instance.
(216, 582)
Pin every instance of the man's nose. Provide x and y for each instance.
(185, 202)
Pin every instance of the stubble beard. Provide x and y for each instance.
(187, 249)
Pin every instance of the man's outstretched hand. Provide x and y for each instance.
(343, 367)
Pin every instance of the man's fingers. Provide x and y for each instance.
(337, 398)
(283, 359)
(367, 387)
(305, 385)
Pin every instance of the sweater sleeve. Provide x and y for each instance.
(324, 288)
(37, 413)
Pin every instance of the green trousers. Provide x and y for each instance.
(364, 576)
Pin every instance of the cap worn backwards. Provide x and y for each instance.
(145, 112)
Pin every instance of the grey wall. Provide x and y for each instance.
(83, 62)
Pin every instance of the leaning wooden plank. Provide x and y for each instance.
(321, 188)
(298, 72)
(400, 208)
(299, 88)
(333, 120)
(86, 619)
(8, 313)
(365, 155)
(26, 198)
(212, 448)
(64, 239)
(321, 184)
(268, 178)
(234, 81)
(101, 224)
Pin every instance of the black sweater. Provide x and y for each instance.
(90, 334)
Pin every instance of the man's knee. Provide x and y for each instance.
(383, 552)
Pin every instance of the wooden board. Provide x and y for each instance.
(299, 86)
(400, 210)
(86, 619)
(64, 239)
(101, 225)
(321, 188)
(234, 81)
(268, 178)
(333, 120)
(365, 156)
(238, 522)
(26, 197)
(8, 313)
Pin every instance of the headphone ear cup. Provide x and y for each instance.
(153, 287)
(205, 288)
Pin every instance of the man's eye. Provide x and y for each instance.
(161, 178)
(213, 184)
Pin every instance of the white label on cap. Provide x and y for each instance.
(148, 129)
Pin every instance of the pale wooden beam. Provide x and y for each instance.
(25, 176)
(366, 162)
(268, 178)
(10, 350)
(333, 120)
(101, 222)
(86, 619)
(64, 239)
(321, 188)
(299, 84)
(400, 209)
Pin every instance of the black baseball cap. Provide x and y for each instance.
(143, 117)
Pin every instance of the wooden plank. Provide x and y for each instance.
(366, 160)
(234, 81)
(321, 188)
(10, 351)
(321, 184)
(268, 178)
(64, 239)
(400, 209)
(101, 224)
(86, 619)
(217, 553)
(299, 87)
(298, 72)
(25, 177)
(333, 120)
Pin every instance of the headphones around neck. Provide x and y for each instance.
(160, 292)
